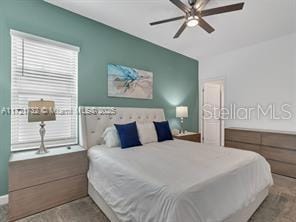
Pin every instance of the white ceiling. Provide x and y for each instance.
(260, 20)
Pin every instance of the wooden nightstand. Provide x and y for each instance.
(39, 182)
(190, 136)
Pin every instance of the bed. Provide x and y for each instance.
(170, 181)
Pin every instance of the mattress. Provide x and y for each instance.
(175, 181)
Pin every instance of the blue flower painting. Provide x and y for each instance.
(129, 82)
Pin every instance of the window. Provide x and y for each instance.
(43, 69)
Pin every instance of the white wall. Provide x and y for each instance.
(264, 73)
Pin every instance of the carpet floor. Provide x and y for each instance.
(279, 206)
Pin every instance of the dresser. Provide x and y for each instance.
(189, 136)
(278, 147)
(39, 182)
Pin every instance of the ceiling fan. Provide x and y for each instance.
(195, 13)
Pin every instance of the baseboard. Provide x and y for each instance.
(4, 199)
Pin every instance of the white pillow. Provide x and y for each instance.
(111, 137)
(147, 132)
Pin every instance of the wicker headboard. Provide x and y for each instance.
(92, 122)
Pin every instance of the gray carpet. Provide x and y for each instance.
(279, 206)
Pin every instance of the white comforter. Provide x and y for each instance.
(177, 181)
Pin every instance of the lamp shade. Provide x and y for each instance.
(182, 111)
(41, 110)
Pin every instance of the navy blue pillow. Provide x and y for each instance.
(163, 131)
(128, 135)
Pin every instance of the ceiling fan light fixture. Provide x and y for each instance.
(193, 14)
(192, 21)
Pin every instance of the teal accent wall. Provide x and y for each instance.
(175, 76)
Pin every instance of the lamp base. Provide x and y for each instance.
(182, 131)
(42, 149)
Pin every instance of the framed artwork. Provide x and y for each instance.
(129, 82)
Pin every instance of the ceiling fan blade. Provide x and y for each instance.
(223, 9)
(201, 4)
(167, 20)
(206, 26)
(181, 29)
(181, 5)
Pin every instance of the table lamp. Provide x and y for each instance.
(40, 111)
(182, 112)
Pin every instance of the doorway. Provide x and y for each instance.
(212, 103)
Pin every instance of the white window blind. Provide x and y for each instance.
(44, 69)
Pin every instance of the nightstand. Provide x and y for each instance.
(190, 136)
(39, 182)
